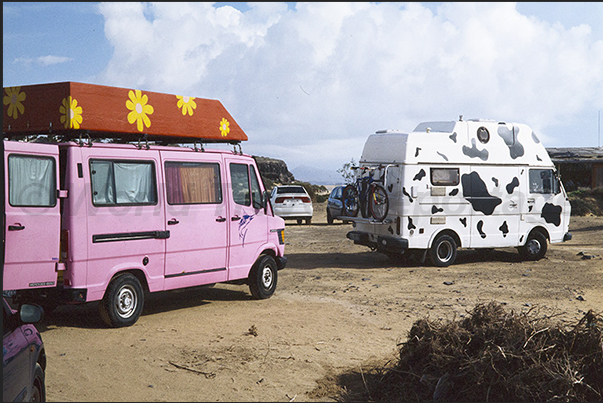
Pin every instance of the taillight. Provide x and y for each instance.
(306, 199)
(64, 245)
(281, 199)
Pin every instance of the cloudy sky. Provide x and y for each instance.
(308, 82)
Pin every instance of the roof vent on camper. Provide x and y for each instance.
(385, 131)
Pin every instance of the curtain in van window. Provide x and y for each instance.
(116, 182)
(31, 181)
(193, 183)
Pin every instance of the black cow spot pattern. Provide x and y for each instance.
(453, 192)
(420, 175)
(473, 152)
(435, 209)
(495, 181)
(515, 147)
(417, 151)
(535, 138)
(442, 155)
(530, 209)
(410, 224)
(551, 214)
(476, 193)
(511, 186)
(453, 137)
(504, 228)
(406, 194)
(463, 221)
(538, 158)
(480, 226)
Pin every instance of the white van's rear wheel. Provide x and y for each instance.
(123, 301)
(443, 251)
(535, 247)
(262, 277)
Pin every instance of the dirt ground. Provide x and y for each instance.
(339, 308)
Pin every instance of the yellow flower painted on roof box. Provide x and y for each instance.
(187, 104)
(14, 98)
(224, 129)
(139, 107)
(71, 114)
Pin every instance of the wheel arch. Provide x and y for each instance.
(537, 228)
(445, 231)
(138, 273)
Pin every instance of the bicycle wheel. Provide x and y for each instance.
(378, 202)
(350, 201)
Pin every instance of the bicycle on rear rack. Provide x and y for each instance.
(366, 195)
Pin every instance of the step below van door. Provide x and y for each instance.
(32, 215)
(196, 217)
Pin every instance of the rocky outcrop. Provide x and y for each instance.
(274, 170)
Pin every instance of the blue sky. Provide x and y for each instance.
(308, 82)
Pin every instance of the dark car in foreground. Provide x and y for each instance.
(23, 355)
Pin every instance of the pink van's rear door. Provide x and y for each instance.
(32, 225)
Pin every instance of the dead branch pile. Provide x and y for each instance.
(493, 355)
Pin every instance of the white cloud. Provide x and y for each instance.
(309, 84)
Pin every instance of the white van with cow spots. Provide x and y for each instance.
(463, 184)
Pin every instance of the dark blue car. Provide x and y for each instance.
(335, 205)
(23, 355)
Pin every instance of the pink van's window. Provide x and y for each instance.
(121, 182)
(193, 183)
(239, 175)
(31, 181)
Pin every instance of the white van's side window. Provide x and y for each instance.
(239, 175)
(122, 182)
(193, 183)
(543, 181)
(31, 181)
(444, 176)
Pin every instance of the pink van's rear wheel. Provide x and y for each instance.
(123, 301)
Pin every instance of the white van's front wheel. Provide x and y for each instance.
(443, 251)
(262, 277)
(535, 247)
(123, 301)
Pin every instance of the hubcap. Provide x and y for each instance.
(533, 247)
(444, 251)
(267, 277)
(126, 302)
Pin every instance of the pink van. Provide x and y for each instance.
(110, 220)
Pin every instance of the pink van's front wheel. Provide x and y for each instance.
(262, 277)
(123, 301)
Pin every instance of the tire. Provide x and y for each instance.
(299, 221)
(263, 277)
(443, 251)
(350, 201)
(123, 301)
(378, 202)
(535, 247)
(38, 392)
(308, 221)
(329, 217)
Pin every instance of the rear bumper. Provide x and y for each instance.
(380, 242)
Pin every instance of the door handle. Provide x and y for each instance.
(16, 227)
(235, 218)
(173, 221)
(220, 219)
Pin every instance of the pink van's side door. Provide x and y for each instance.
(32, 226)
(196, 217)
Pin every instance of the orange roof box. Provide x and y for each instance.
(71, 108)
